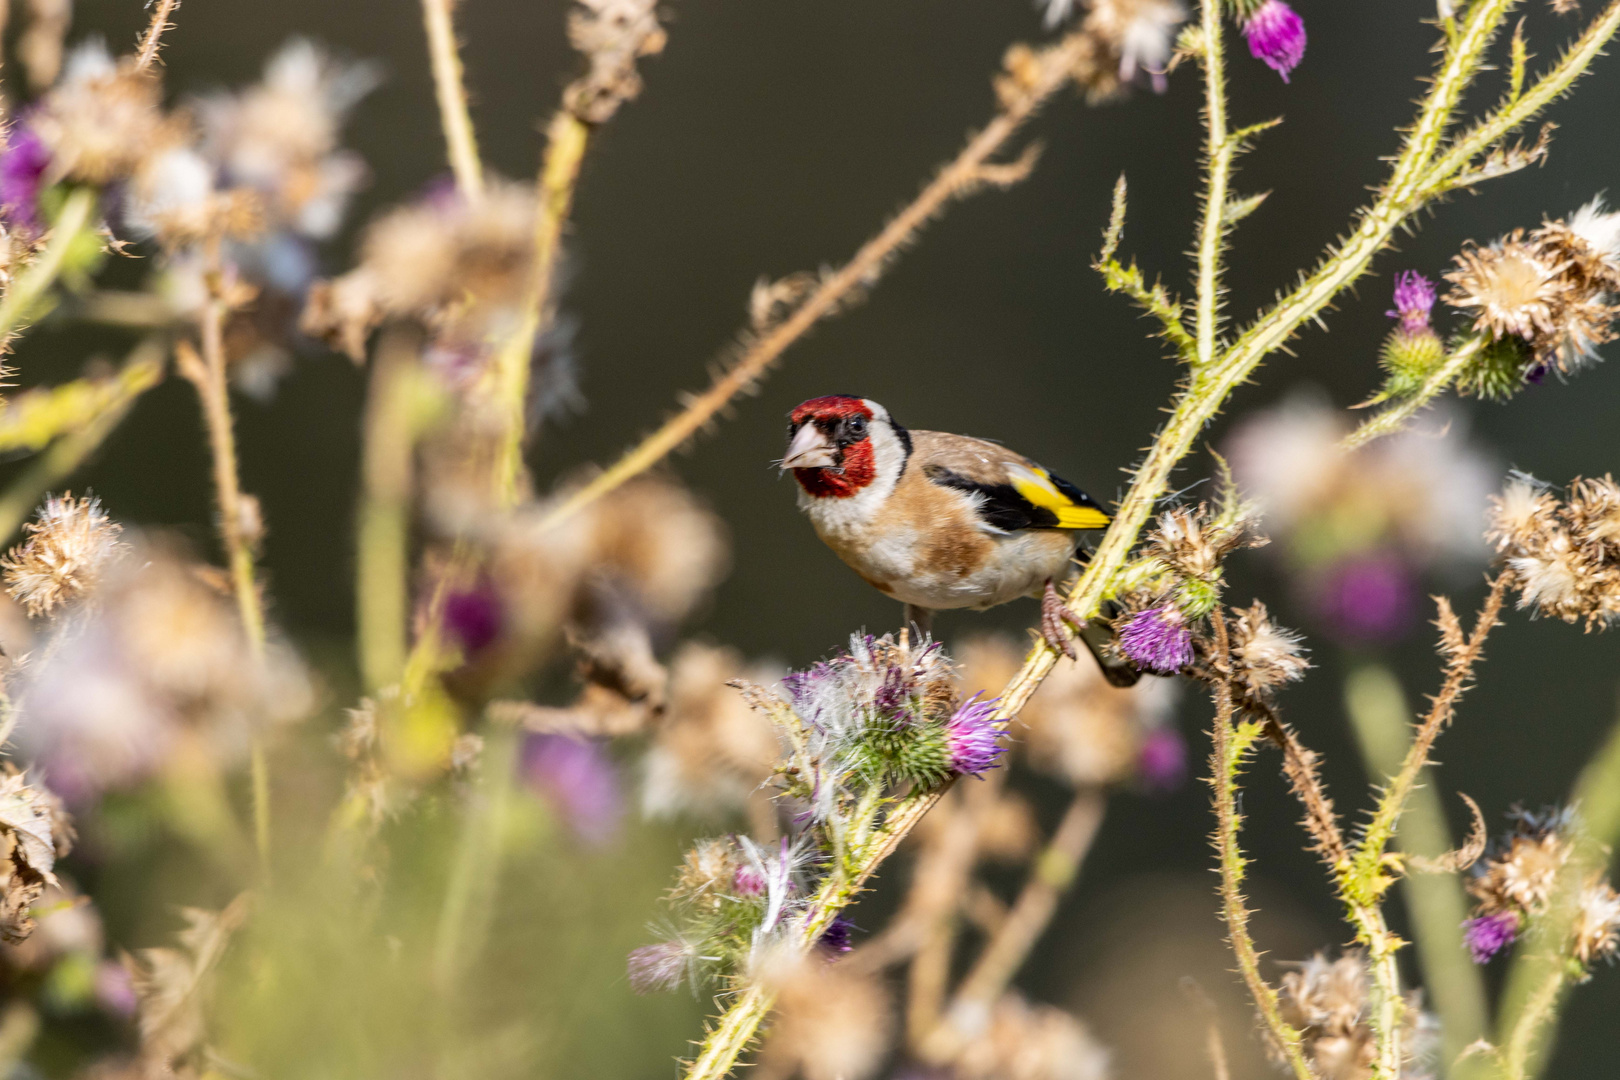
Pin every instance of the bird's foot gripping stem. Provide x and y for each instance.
(1057, 621)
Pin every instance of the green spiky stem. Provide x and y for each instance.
(1437, 903)
(870, 842)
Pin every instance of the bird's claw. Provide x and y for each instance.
(1057, 621)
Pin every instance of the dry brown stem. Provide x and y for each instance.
(1021, 96)
(154, 33)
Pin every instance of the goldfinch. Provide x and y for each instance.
(942, 521)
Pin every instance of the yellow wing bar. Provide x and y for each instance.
(1036, 486)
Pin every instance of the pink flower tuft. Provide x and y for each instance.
(1276, 35)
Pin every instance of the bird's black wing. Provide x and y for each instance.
(999, 506)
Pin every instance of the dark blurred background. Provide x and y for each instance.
(776, 135)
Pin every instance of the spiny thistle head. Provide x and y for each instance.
(1158, 639)
(1564, 555)
(1276, 35)
(1596, 933)
(1264, 655)
(974, 737)
(1519, 873)
(71, 542)
(1553, 289)
(1329, 1002)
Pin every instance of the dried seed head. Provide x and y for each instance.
(70, 545)
(1597, 923)
(1522, 513)
(1512, 286)
(1520, 873)
(34, 831)
(280, 136)
(711, 750)
(1264, 656)
(1327, 1000)
(1593, 513)
(613, 35)
(102, 119)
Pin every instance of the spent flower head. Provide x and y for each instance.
(1329, 1002)
(1564, 554)
(69, 546)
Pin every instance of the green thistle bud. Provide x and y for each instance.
(1409, 358)
(1196, 597)
(1498, 371)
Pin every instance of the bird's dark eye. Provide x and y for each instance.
(856, 426)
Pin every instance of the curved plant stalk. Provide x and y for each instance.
(1543, 973)
(74, 420)
(1392, 419)
(1234, 740)
(1436, 902)
(509, 374)
(454, 117)
(76, 220)
(970, 170)
(1053, 872)
(208, 374)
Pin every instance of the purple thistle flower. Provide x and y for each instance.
(657, 967)
(23, 161)
(579, 779)
(1158, 640)
(974, 737)
(1371, 597)
(1276, 35)
(1488, 935)
(1161, 763)
(890, 699)
(1414, 300)
(473, 618)
(836, 938)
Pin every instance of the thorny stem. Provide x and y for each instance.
(76, 219)
(968, 171)
(1539, 1008)
(1053, 872)
(1233, 741)
(62, 458)
(454, 117)
(1462, 655)
(1220, 149)
(736, 1028)
(1436, 902)
(154, 34)
(209, 376)
(1364, 886)
(565, 148)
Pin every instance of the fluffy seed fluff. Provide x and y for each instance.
(70, 544)
(1564, 555)
(1264, 655)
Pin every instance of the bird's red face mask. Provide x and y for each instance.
(830, 446)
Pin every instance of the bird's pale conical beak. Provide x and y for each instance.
(809, 449)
